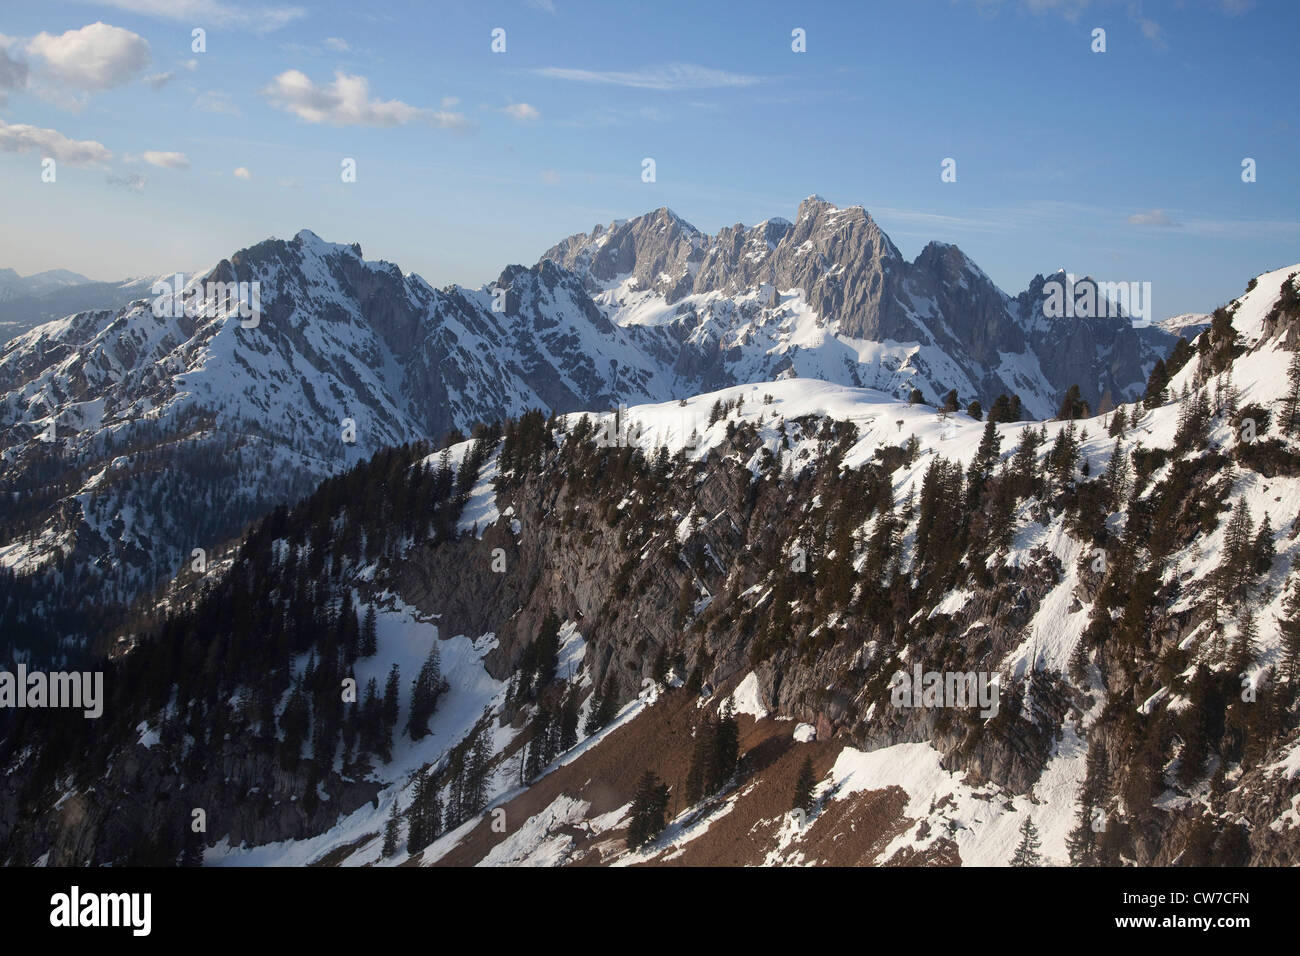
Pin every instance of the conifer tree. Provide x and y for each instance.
(369, 633)
(803, 787)
(1264, 550)
(1235, 570)
(1290, 627)
(1027, 852)
(1118, 422)
(1157, 383)
(726, 747)
(647, 812)
(1291, 408)
(391, 829)
(1117, 475)
(428, 686)
(391, 690)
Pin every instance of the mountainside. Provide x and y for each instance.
(711, 590)
(132, 438)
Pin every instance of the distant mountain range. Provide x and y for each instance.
(29, 301)
(157, 416)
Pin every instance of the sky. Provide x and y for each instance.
(1124, 164)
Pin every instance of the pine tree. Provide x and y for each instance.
(803, 787)
(391, 829)
(1024, 465)
(1291, 410)
(647, 812)
(1027, 852)
(569, 722)
(1118, 422)
(726, 749)
(391, 690)
(369, 633)
(1157, 383)
(428, 686)
(1290, 626)
(1264, 550)
(1117, 475)
(1235, 570)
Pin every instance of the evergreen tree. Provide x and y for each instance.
(428, 686)
(1263, 550)
(1157, 384)
(1118, 422)
(369, 633)
(1235, 570)
(391, 829)
(803, 787)
(726, 749)
(1117, 475)
(647, 813)
(1024, 465)
(569, 722)
(1290, 626)
(1291, 409)
(1027, 852)
(391, 690)
(477, 766)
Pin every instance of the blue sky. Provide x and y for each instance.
(1124, 164)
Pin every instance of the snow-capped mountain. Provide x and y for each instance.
(829, 296)
(150, 412)
(600, 592)
(13, 285)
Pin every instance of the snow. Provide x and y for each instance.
(748, 698)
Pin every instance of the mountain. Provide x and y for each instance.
(712, 590)
(830, 296)
(132, 438)
(12, 285)
(24, 307)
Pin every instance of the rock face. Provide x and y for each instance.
(968, 334)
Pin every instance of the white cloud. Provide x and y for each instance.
(669, 76)
(347, 102)
(450, 102)
(159, 80)
(96, 57)
(546, 5)
(20, 138)
(206, 13)
(215, 101)
(337, 44)
(1152, 217)
(166, 160)
(550, 177)
(521, 111)
(243, 173)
